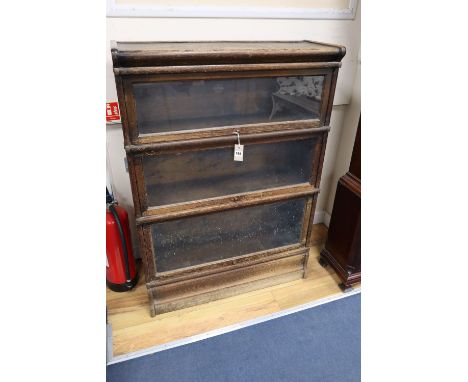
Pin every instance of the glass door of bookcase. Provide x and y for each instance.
(180, 105)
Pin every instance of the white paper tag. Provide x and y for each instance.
(239, 153)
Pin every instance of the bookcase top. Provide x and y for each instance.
(138, 54)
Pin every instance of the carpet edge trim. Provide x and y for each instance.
(230, 328)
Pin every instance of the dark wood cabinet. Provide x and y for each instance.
(208, 226)
(343, 246)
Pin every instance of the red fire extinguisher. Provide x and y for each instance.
(121, 274)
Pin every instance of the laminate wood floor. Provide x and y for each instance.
(134, 329)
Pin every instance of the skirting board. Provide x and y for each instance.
(322, 217)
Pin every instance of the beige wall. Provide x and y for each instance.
(343, 148)
(343, 32)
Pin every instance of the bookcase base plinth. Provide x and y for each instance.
(226, 283)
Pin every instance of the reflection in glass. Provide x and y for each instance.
(184, 105)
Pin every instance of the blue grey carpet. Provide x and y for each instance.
(318, 344)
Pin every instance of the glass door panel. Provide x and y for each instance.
(171, 106)
(202, 239)
(193, 175)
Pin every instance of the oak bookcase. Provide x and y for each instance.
(208, 226)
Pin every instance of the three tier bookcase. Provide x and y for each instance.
(210, 226)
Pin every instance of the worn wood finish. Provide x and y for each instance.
(331, 96)
(225, 140)
(307, 221)
(222, 52)
(205, 206)
(282, 267)
(227, 131)
(146, 251)
(136, 184)
(153, 63)
(123, 109)
(208, 269)
(343, 247)
(218, 68)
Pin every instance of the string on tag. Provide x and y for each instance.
(238, 137)
(238, 149)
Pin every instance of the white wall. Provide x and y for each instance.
(343, 32)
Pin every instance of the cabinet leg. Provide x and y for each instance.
(345, 288)
(323, 262)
